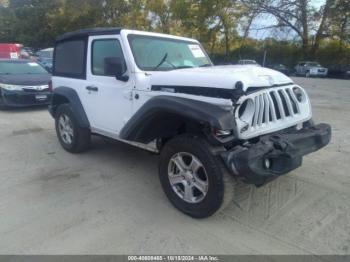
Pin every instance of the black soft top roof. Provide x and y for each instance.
(88, 32)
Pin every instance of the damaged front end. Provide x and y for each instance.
(275, 154)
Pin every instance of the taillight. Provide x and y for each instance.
(50, 85)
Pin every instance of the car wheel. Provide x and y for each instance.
(72, 137)
(193, 178)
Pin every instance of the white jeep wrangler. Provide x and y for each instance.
(209, 123)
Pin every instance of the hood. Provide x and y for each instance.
(26, 79)
(224, 77)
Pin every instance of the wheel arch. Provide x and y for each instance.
(167, 116)
(63, 95)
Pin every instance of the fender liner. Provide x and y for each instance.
(73, 98)
(156, 115)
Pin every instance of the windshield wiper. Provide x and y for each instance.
(206, 65)
(162, 61)
(184, 66)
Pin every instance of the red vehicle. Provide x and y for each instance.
(10, 51)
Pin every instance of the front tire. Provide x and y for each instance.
(193, 178)
(71, 136)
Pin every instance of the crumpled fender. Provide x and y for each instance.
(143, 126)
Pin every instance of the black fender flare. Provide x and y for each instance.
(145, 123)
(63, 94)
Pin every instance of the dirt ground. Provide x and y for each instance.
(109, 200)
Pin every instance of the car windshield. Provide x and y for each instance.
(249, 62)
(17, 68)
(313, 64)
(280, 66)
(46, 54)
(162, 54)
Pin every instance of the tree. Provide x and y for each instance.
(126, 13)
(26, 21)
(339, 23)
(299, 16)
(160, 15)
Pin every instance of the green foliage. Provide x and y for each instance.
(214, 23)
(330, 53)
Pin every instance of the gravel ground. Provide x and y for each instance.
(109, 200)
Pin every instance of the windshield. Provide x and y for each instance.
(162, 54)
(280, 66)
(17, 68)
(314, 64)
(46, 54)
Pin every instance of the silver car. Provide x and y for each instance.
(309, 69)
(247, 62)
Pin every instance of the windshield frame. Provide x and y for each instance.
(170, 39)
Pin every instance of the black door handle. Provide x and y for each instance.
(92, 88)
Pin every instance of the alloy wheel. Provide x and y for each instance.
(188, 177)
(65, 128)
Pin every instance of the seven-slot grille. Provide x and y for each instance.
(274, 105)
(270, 110)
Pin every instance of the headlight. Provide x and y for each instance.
(11, 87)
(299, 94)
(246, 113)
(246, 110)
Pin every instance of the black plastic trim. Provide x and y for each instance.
(71, 95)
(143, 126)
(22, 98)
(196, 90)
(253, 89)
(89, 32)
(233, 94)
(284, 151)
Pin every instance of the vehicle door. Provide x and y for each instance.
(107, 101)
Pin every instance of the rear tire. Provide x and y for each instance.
(72, 137)
(209, 171)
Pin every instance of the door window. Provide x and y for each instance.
(102, 49)
(69, 59)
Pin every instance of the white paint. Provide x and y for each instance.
(13, 55)
(109, 109)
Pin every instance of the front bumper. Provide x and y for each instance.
(25, 98)
(275, 154)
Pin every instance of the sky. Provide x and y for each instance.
(265, 20)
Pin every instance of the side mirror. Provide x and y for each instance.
(115, 66)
